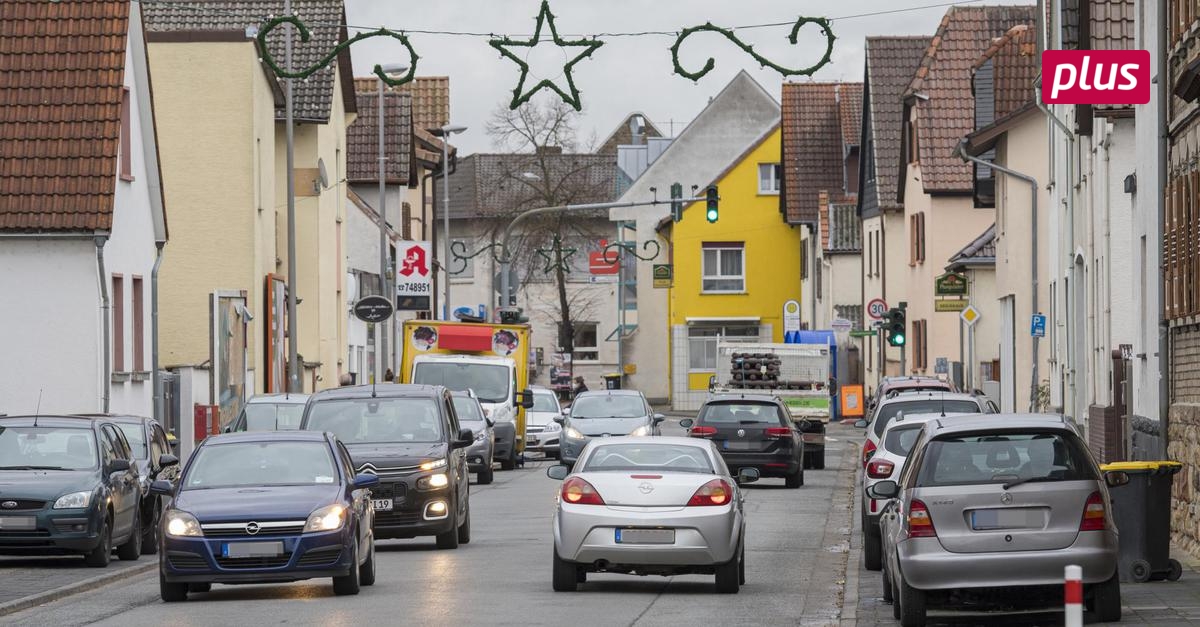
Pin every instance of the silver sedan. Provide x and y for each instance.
(649, 506)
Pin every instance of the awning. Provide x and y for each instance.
(467, 338)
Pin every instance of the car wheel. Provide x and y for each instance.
(366, 572)
(1139, 571)
(464, 529)
(348, 584)
(486, 475)
(199, 587)
(742, 568)
(1176, 570)
(132, 548)
(580, 575)
(912, 605)
(872, 549)
(895, 600)
(795, 479)
(449, 539)
(100, 556)
(566, 574)
(887, 586)
(150, 533)
(819, 460)
(1106, 599)
(171, 592)
(728, 575)
(510, 462)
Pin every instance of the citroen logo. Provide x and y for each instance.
(741, 433)
(252, 528)
(646, 487)
(368, 469)
(8, 504)
(1006, 498)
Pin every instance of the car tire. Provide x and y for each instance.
(150, 533)
(510, 462)
(172, 592)
(818, 459)
(565, 576)
(887, 586)
(366, 572)
(348, 585)
(486, 475)
(742, 568)
(872, 548)
(727, 575)
(580, 575)
(100, 556)
(795, 479)
(199, 587)
(449, 539)
(464, 529)
(132, 548)
(912, 605)
(895, 600)
(1106, 600)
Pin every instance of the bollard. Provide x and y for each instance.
(1073, 595)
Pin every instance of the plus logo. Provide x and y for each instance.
(1097, 77)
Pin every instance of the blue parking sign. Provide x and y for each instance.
(1037, 326)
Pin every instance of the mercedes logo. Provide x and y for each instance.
(646, 487)
(1006, 498)
(741, 433)
(8, 504)
(252, 528)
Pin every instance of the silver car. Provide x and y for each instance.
(602, 414)
(481, 453)
(649, 506)
(270, 412)
(542, 430)
(999, 501)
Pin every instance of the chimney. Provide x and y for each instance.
(637, 128)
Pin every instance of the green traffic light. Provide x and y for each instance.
(712, 215)
(898, 340)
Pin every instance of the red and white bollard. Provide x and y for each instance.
(1073, 595)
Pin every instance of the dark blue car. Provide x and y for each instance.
(262, 507)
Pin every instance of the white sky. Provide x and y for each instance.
(628, 73)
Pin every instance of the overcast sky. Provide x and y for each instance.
(628, 73)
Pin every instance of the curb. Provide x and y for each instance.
(853, 558)
(85, 585)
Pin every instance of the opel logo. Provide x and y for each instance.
(646, 487)
(1006, 498)
(741, 433)
(8, 504)
(252, 528)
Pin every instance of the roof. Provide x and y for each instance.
(278, 399)
(289, 435)
(77, 421)
(313, 99)
(980, 252)
(1113, 25)
(430, 98)
(1005, 422)
(906, 396)
(381, 390)
(890, 64)
(621, 392)
(725, 397)
(814, 147)
(945, 107)
(362, 139)
(491, 185)
(1016, 65)
(841, 230)
(850, 107)
(623, 136)
(62, 68)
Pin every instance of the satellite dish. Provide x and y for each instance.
(322, 175)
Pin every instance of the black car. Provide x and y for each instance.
(68, 485)
(409, 436)
(752, 431)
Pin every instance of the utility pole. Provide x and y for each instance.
(293, 384)
(381, 333)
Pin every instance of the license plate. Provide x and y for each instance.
(645, 536)
(741, 445)
(1013, 518)
(17, 522)
(531, 439)
(382, 505)
(252, 549)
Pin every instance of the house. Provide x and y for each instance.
(224, 161)
(740, 114)
(731, 278)
(890, 65)
(82, 220)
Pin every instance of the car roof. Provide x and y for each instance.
(541, 388)
(268, 436)
(920, 419)
(998, 422)
(463, 393)
(279, 399)
(121, 418)
(381, 390)
(608, 393)
(723, 397)
(934, 394)
(50, 421)
(656, 440)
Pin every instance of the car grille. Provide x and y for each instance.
(320, 557)
(21, 505)
(386, 472)
(186, 561)
(529, 429)
(397, 518)
(292, 528)
(394, 491)
(274, 561)
(70, 525)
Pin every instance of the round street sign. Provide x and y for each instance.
(876, 308)
(373, 308)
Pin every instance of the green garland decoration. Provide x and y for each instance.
(274, 22)
(826, 30)
(520, 94)
(550, 263)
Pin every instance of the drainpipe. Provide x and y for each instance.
(1164, 330)
(1033, 189)
(105, 314)
(155, 375)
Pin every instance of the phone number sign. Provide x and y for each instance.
(414, 274)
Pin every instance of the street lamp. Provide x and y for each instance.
(389, 292)
(445, 132)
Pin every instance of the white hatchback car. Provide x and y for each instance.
(649, 506)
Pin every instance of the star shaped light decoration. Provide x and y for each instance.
(521, 95)
(550, 265)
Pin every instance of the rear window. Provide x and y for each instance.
(1003, 458)
(741, 413)
(649, 457)
(922, 406)
(900, 440)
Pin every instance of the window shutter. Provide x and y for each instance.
(118, 323)
(126, 138)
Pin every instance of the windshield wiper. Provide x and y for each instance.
(1016, 482)
(33, 468)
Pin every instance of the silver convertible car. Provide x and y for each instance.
(650, 506)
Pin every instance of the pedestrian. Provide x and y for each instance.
(580, 386)
(346, 379)
(388, 376)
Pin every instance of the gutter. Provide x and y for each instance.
(156, 375)
(1164, 329)
(106, 314)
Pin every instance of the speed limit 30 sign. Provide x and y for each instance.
(876, 308)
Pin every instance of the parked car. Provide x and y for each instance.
(605, 413)
(409, 436)
(1000, 501)
(752, 431)
(890, 386)
(505, 450)
(261, 508)
(649, 506)
(916, 403)
(542, 431)
(270, 412)
(480, 453)
(70, 486)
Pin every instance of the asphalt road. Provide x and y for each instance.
(797, 547)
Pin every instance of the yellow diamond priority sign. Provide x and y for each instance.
(970, 315)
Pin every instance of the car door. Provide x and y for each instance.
(122, 483)
(159, 447)
(360, 498)
(458, 456)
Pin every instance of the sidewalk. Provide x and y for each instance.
(30, 581)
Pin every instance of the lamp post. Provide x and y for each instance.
(293, 382)
(389, 292)
(445, 132)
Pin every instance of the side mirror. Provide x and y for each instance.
(527, 399)
(748, 475)
(687, 423)
(658, 418)
(860, 423)
(804, 424)
(162, 487)
(365, 480)
(560, 419)
(167, 459)
(465, 438)
(1116, 478)
(883, 490)
(119, 465)
(558, 472)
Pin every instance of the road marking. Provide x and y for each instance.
(828, 439)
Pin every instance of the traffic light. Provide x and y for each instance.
(512, 315)
(894, 325)
(676, 202)
(712, 214)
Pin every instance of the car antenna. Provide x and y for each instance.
(38, 411)
(373, 380)
(943, 397)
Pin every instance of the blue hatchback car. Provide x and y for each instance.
(263, 507)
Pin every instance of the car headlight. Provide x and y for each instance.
(642, 430)
(433, 463)
(433, 482)
(328, 518)
(573, 433)
(182, 525)
(74, 500)
(553, 427)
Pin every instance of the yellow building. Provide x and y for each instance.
(731, 278)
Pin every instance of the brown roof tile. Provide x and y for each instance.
(813, 152)
(890, 64)
(1016, 65)
(850, 108)
(430, 98)
(362, 139)
(61, 84)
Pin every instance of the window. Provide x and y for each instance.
(139, 348)
(913, 146)
(916, 238)
(724, 267)
(461, 268)
(702, 343)
(769, 176)
(585, 341)
(878, 253)
(920, 334)
(118, 322)
(126, 139)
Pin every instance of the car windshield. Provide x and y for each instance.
(467, 409)
(239, 464)
(608, 406)
(900, 440)
(59, 448)
(137, 439)
(931, 405)
(273, 416)
(491, 383)
(740, 413)
(355, 421)
(1003, 458)
(545, 402)
(648, 457)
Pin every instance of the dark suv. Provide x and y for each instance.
(408, 436)
(752, 431)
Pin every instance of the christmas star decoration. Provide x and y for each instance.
(550, 264)
(521, 94)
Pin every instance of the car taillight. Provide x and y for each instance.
(880, 469)
(702, 432)
(920, 524)
(867, 452)
(715, 492)
(778, 432)
(1093, 513)
(579, 492)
